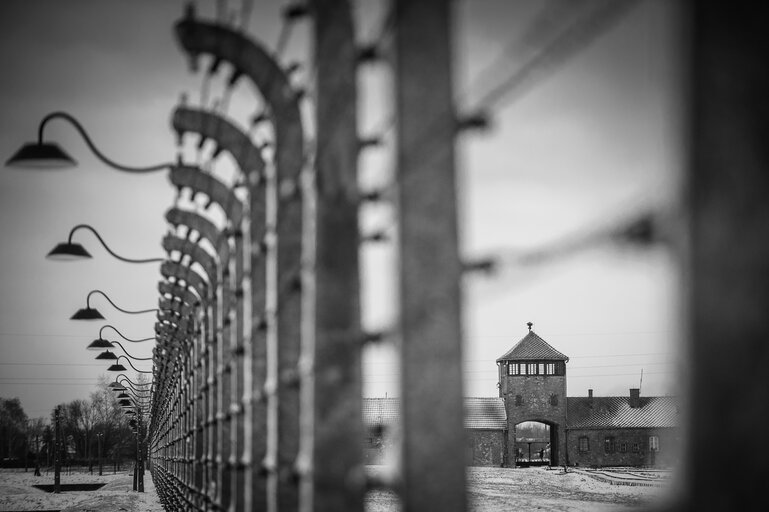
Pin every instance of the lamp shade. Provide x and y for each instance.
(117, 368)
(41, 156)
(124, 402)
(67, 251)
(119, 387)
(100, 344)
(107, 355)
(123, 395)
(87, 314)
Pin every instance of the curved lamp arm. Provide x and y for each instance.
(127, 260)
(129, 355)
(131, 365)
(134, 394)
(88, 304)
(140, 399)
(74, 122)
(121, 334)
(132, 383)
(124, 376)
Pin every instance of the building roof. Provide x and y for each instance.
(481, 413)
(488, 413)
(615, 412)
(532, 348)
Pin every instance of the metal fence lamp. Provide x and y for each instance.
(107, 355)
(71, 251)
(101, 343)
(117, 367)
(89, 313)
(49, 155)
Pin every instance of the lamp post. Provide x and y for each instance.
(117, 367)
(57, 452)
(101, 343)
(110, 355)
(117, 386)
(89, 313)
(99, 436)
(71, 251)
(42, 155)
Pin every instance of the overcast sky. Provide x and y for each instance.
(590, 142)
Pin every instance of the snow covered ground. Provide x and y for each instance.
(524, 489)
(17, 493)
(489, 489)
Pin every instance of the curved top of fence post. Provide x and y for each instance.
(197, 255)
(202, 183)
(224, 133)
(177, 306)
(205, 227)
(249, 58)
(191, 278)
(184, 294)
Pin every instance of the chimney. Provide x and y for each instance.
(635, 397)
(590, 393)
(590, 398)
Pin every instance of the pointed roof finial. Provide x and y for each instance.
(530, 325)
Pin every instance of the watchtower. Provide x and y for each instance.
(532, 382)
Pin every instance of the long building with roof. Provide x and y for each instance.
(626, 430)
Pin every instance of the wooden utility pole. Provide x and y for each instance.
(57, 451)
(432, 451)
(98, 447)
(337, 389)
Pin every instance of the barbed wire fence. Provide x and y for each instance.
(257, 394)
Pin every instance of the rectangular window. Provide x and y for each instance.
(623, 447)
(608, 444)
(635, 448)
(532, 368)
(541, 369)
(584, 444)
(654, 443)
(550, 369)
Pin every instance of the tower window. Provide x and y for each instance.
(513, 369)
(550, 369)
(584, 444)
(532, 368)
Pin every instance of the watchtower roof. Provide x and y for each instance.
(532, 348)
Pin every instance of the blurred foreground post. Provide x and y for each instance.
(338, 458)
(729, 251)
(433, 452)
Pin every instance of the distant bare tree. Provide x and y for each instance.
(13, 426)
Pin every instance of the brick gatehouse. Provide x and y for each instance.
(628, 430)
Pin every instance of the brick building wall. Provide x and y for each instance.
(622, 447)
(535, 398)
(486, 447)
